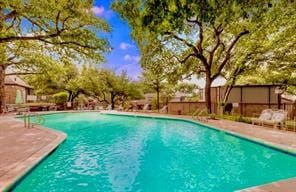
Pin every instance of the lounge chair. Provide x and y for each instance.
(164, 109)
(279, 117)
(270, 117)
(265, 115)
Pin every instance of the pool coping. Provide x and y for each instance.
(34, 160)
(18, 172)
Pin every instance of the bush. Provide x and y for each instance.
(60, 98)
(238, 118)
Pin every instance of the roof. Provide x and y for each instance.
(289, 97)
(15, 80)
(252, 85)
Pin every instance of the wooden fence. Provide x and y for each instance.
(245, 109)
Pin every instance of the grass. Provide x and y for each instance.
(289, 124)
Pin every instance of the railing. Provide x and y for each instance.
(39, 119)
(197, 115)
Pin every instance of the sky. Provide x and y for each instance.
(125, 54)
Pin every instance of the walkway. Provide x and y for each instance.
(22, 148)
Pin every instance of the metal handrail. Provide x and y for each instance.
(27, 119)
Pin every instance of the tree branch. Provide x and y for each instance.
(68, 42)
(199, 43)
(36, 37)
(183, 41)
(228, 52)
(185, 59)
(10, 15)
(21, 73)
(217, 34)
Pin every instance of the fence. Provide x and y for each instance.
(245, 109)
(184, 108)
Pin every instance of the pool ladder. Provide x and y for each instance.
(39, 119)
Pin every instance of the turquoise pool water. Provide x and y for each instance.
(123, 153)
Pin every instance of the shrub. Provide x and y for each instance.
(60, 98)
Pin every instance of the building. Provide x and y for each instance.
(14, 84)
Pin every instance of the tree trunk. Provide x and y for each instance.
(227, 93)
(2, 88)
(157, 99)
(112, 101)
(208, 93)
(70, 96)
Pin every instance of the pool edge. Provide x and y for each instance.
(272, 145)
(17, 173)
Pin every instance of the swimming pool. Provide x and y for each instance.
(128, 153)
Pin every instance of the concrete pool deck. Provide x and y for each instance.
(24, 148)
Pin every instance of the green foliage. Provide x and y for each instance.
(193, 98)
(237, 118)
(60, 98)
(212, 38)
(57, 77)
(106, 86)
(34, 34)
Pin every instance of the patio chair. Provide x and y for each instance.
(98, 107)
(129, 108)
(164, 109)
(269, 117)
(109, 107)
(278, 118)
(265, 116)
(146, 108)
(120, 108)
(9, 109)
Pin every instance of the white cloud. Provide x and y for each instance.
(128, 57)
(101, 12)
(125, 46)
(98, 10)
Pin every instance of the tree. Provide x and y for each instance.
(57, 77)
(106, 86)
(268, 55)
(204, 33)
(64, 27)
(275, 59)
(156, 70)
